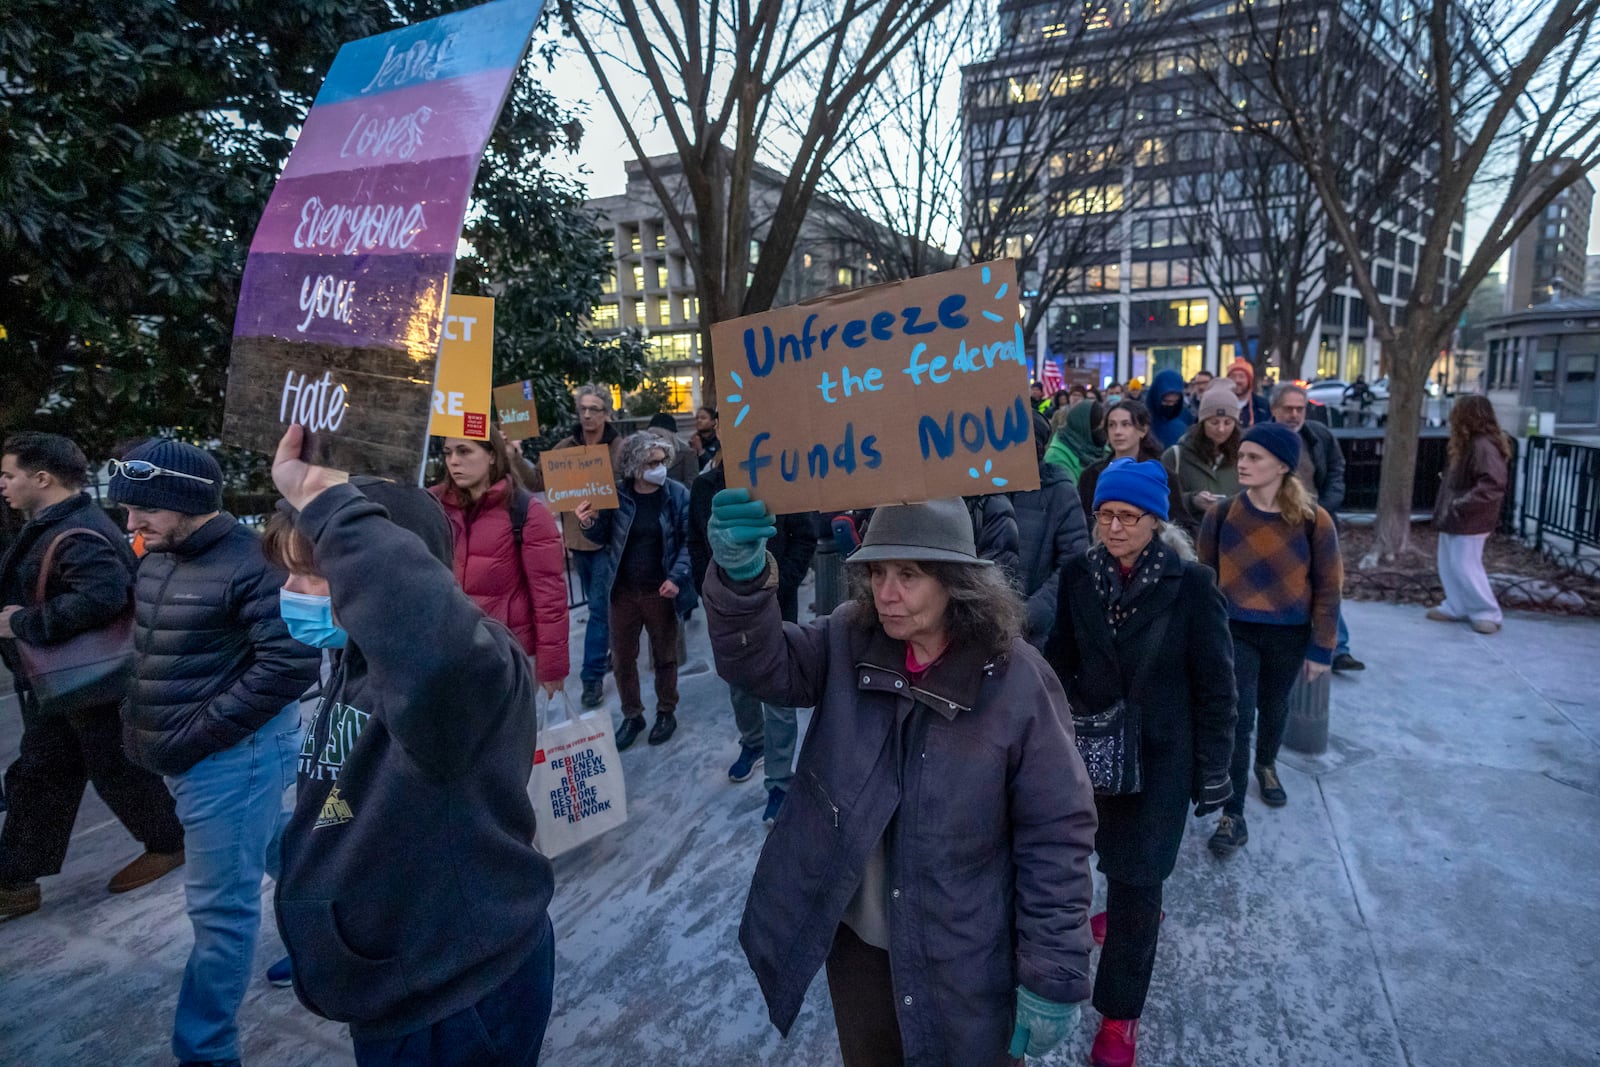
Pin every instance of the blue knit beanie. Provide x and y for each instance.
(1282, 442)
(168, 492)
(1130, 481)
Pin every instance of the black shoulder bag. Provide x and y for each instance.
(1108, 740)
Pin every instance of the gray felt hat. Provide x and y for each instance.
(939, 531)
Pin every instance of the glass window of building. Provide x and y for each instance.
(661, 274)
(664, 310)
(605, 317)
(638, 277)
(638, 315)
(634, 244)
(691, 309)
(608, 283)
(661, 242)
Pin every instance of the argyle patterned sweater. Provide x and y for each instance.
(1272, 572)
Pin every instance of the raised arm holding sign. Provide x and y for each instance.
(893, 394)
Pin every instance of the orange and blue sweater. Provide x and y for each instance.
(1274, 572)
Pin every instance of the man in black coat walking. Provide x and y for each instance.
(215, 708)
(89, 585)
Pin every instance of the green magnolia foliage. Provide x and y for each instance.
(139, 141)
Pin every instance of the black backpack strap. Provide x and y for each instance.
(519, 516)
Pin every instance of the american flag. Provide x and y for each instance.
(1054, 377)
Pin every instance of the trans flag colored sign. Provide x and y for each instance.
(343, 299)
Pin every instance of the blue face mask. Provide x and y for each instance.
(310, 620)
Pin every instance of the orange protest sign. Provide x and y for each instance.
(893, 394)
(519, 416)
(466, 369)
(573, 475)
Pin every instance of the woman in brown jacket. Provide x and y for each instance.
(1467, 512)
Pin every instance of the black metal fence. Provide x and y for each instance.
(1363, 461)
(1561, 492)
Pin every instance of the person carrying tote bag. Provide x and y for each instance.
(83, 671)
(1142, 648)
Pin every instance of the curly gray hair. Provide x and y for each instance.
(634, 455)
(984, 608)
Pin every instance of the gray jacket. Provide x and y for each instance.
(1328, 462)
(971, 781)
(1052, 529)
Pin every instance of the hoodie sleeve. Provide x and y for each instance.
(441, 668)
(544, 572)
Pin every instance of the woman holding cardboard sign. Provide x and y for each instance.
(508, 556)
(647, 538)
(933, 853)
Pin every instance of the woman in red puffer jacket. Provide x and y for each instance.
(526, 591)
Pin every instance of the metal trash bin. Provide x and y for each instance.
(1307, 727)
(828, 566)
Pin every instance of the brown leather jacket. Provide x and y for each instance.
(1471, 493)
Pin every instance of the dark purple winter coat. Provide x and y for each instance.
(973, 774)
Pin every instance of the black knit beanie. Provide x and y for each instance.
(169, 492)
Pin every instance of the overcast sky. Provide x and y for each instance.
(600, 161)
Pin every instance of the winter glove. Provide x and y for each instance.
(738, 532)
(1041, 1024)
(1213, 795)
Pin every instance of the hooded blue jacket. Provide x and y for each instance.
(1167, 429)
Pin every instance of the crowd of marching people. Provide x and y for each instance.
(1015, 683)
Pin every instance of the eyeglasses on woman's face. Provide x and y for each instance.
(1124, 517)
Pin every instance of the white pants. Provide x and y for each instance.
(1466, 587)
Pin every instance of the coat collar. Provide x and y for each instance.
(1160, 598)
(60, 510)
(206, 536)
(950, 686)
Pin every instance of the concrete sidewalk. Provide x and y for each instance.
(1428, 897)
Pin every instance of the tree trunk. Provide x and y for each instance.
(1408, 360)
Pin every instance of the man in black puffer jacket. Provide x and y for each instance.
(215, 708)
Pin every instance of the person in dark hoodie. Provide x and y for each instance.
(1169, 417)
(1051, 530)
(412, 901)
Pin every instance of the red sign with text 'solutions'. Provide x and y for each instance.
(343, 299)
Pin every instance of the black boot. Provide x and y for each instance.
(666, 723)
(594, 694)
(629, 731)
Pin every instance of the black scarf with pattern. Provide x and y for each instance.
(1121, 599)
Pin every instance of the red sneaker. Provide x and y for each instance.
(1097, 926)
(1115, 1044)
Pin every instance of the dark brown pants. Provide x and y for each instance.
(862, 990)
(631, 611)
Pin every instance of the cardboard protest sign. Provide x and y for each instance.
(893, 394)
(461, 390)
(519, 416)
(573, 475)
(343, 298)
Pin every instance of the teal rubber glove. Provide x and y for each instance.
(1041, 1024)
(738, 532)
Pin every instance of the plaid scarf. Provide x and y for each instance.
(1121, 598)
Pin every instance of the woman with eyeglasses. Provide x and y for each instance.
(508, 555)
(1142, 648)
(1276, 554)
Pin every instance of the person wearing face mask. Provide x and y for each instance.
(1169, 418)
(647, 538)
(507, 551)
(415, 770)
(215, 708)
(1125, 429)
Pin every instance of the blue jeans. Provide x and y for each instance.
(1343, 646)
(770, 727)
(231, 805)
(594, 571)
(504, 1029)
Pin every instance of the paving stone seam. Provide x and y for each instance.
(1404, 1054)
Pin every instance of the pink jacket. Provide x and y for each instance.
(528, 595)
